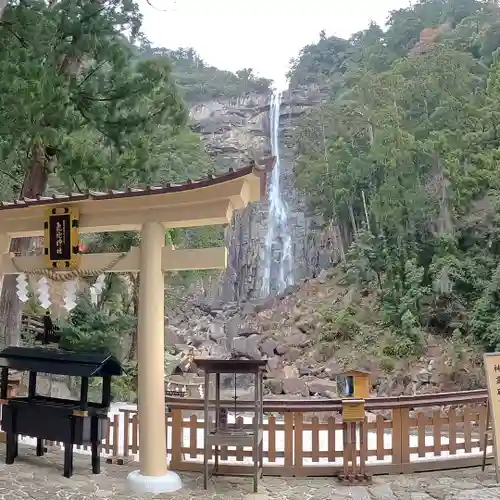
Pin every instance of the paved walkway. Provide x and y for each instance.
(36, 478)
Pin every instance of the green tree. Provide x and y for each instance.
(83, 106)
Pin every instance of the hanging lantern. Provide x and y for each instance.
(22, 287)
(97, 288)
(44, 292)
(70, 290)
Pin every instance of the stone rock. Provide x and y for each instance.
(422, 377)
(216, 332)
(290, 372)
(275, 385)
(322, 387)
(247, 333)
(247, 347)
(292, 354)
(295, 386)
(263, 304)
(323, 276)
(332, 369)
(273, 363)
(306, 324)
(268, 347)
(232, 328)
(248, 309)
(281, 349)
(298, 340)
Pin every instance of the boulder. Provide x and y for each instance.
(273, 363)
(295, 387)
(281, 349)
(323, 387)
(290, 372)
(216, 332)
(275, 385)
(268, 347)
(298, 340)
(292, 354)
(248, 347)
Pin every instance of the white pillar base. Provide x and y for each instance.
(154, 484)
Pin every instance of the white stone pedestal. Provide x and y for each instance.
(168, 483)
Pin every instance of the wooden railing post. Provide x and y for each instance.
(289, 443)
(400, 439)
(177, 437)
(397, 440)
(298, 444)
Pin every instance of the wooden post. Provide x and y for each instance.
(207, 452)
(5, 382)
(32, 385)
(345, 449)
(354, 457)
(96, 445)
(485, 437)
(84, 393)
(106, 391)
(362, 450)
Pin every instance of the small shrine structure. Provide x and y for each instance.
(61, 219)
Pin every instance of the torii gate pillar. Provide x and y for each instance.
(153, 475)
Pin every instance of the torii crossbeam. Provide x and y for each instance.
(151, 211)
(171, 260)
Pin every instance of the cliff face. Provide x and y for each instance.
(235, 131)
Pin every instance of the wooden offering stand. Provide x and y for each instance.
(44, 417)
(354, 387)
(223, 433)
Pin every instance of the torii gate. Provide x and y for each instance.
(151, 211)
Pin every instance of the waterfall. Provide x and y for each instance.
(278, 257)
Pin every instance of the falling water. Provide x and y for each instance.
(278, 245)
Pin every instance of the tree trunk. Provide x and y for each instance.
(353, 222)
(132, 356)
(11, 307)
(3, 4)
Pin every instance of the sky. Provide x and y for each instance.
(259, 34)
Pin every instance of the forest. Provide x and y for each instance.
(403, 158)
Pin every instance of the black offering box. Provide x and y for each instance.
(64, 420)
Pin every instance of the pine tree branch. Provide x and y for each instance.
(115, 97)
(156, 8)
(8, 26)
(9, 175)
(92, 73)
(93, 124)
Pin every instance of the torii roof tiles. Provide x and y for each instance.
(259, 169)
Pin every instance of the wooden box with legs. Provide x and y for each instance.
(222, 432)
(354, 387)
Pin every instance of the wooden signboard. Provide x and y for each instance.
(61, 238)
(353, 410)
(492, 367)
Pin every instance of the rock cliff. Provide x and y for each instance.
(236, 130)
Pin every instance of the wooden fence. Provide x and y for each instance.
(305, 438)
